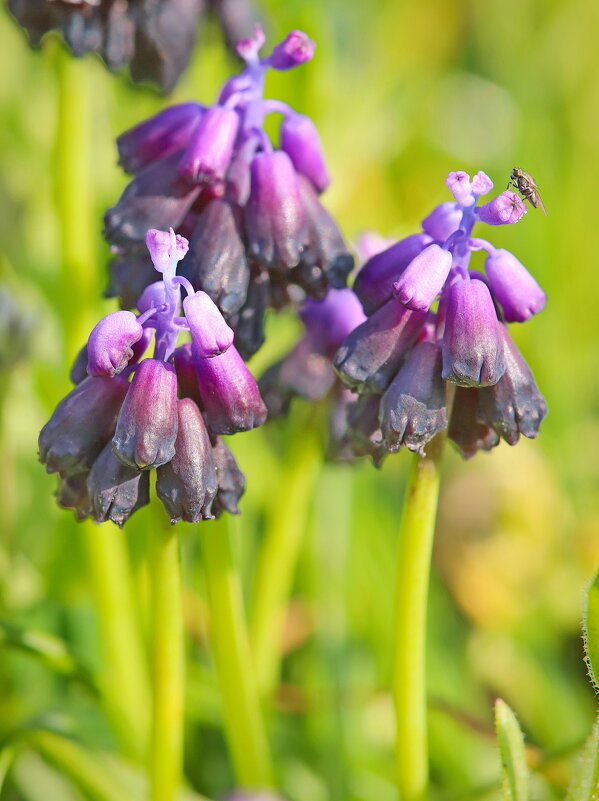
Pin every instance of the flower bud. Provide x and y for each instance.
(248, 323)
(231, 481)
(295, 49)
(481, 184)
(412, 410)
(423, 278)
(459, 184)
(109, 347)
(513, 286)
(301, 142)
(116, 490)
(166, 248)
(465, 429)
(210, 333)
(363, 428)
(506, 208)
(472, 342)
(188, 484)
(230, 397)
(443, 220)
(72, 494)
(81, 425)
(208, 154)
(146, 428)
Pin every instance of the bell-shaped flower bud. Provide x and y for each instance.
(165, 132)
(158, 197)
(153, 296)
(230, 396)
(514, 405)
(295, 49)
(513, 287)
(481, 184)
(208, 154)
(506, 208)
(331, 320)
(443, 220)
(374, 282)
(460, 186)
(217, 262)
(301, 142)
(109, 347)
(248, 323)
(72, 494)
(472, 341)
(116, 490)
(465, 429)
(166, 248)
(146, 428)
(423, 278)
(209, 331)
(274, 216)
(231, 481)
(371, 355)
(412, 410)
(188, 484)
(81, 425)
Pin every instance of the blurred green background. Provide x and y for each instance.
(402, 91)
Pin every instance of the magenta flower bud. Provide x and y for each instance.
(81, 425)
(166, 248)
(412, 410)
(153, 296)
(230, 396)
(331, 320)
(472, 342)
(116, 490)
(443, 220)
(165, 132)
(146, 428)
(459, 184)
(481, 183)
(465, 429)
(371, 355)
(374, 282)
(208, 154)
(109, 345)
(210, 333)
(513, 286)
(293, 50)
(423, 278)
(301, 142)
(274, 215)
(188, 484)
(506, 208)
(231, 481)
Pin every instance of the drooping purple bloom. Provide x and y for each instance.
(230, 479)
(209, 331)
(116, 490)
(110, 344)
(423, 278)
(513, 286)
(466, 431)
(301, 142)
(210, 149)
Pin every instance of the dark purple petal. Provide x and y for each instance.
(209, 331)
(373, 352)
(248, 323)
(513, 286)
(374, 282)
(230, 396)
(72, 494)
(158, 197)
(465, 430)
(208, 154)
(146, 428)
(119, 35)
(187, 378)
(472, 342)
(188, 484)
(81, 425)
(116, 490)
(231, 481)
(301, 142)
(423, 278)
(363, 428)
(109, 347)
(165, 132)
(412, 410)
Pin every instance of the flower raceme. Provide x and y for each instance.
(431, 320)
(130, 413)
(252, 213)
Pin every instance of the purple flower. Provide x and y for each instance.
(461, 188)
(443, 220)
(295, 49)
(513, 286)
(301, 142)
(72, 494)
(116, 490)
(209, 331)
(423, 278)
(210, 149)
(231, 481)
(506, 208)
(109, 347)
(465, 429)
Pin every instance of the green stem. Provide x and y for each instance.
(409, 667)
(124, 679)
(244, 724)
(168, 667)
(285, 529)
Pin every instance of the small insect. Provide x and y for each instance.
(525, 184)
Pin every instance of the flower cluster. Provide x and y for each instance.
(432, 320)
(251, 212)
(154, 37)
(109, 431)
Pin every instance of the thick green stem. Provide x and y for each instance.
(168, 666)
(409, 667)
(285, 529)
(124, 679)
(244, 724)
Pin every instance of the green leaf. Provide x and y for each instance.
(585, 782)
(515, 778)
(590, 630)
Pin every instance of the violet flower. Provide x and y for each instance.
(134, 413)
(432, 320)
(252, 212)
